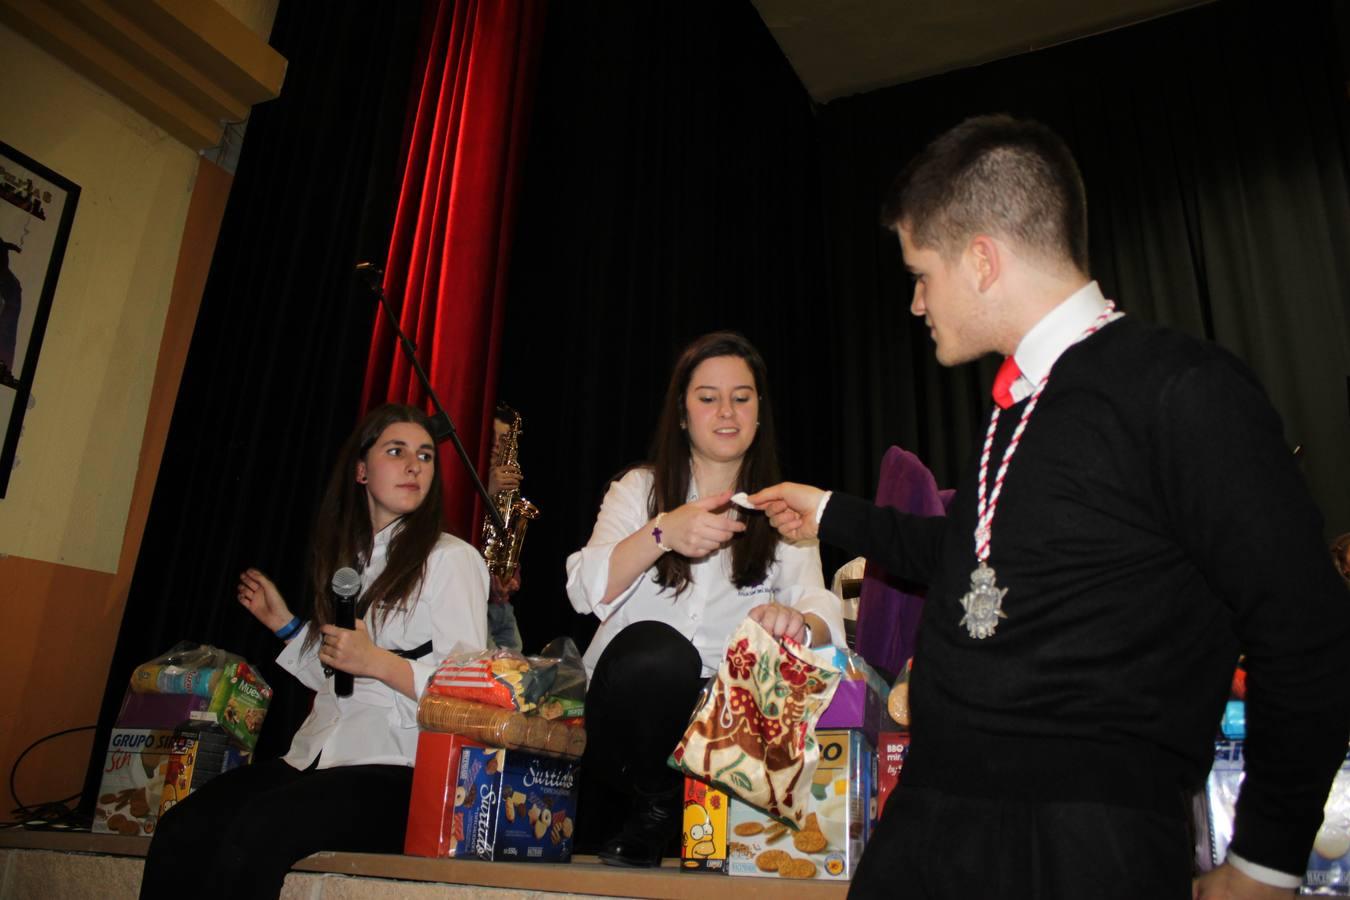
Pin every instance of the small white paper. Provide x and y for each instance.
(743, 501)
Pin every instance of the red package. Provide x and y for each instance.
(497, 678)
(891, 750)
(431, 808)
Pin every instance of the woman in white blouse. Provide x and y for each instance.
(345, 783)
(671, 569)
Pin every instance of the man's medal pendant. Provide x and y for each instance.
(983, 603)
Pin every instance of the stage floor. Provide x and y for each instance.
(36, 864)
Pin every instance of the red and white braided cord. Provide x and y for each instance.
(984, 515)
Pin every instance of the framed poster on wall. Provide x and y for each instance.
(37, 207)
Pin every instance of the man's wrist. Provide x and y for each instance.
(820, 507)
(1264, 874)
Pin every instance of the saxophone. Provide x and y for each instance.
(502, 551)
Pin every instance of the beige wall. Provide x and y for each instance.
(69, 493)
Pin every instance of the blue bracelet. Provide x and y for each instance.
(287, 631)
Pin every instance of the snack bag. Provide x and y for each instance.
(505, 679)
(753, 733)
(185, 668)
(565, 698)
(495, 677)
(241, 703)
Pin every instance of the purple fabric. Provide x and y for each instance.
(889, 608)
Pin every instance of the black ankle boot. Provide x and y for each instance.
(654, 822)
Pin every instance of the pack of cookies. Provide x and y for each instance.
(133, 781)
(830, 841)
(515, 806)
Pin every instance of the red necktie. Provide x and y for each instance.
(1003, 382)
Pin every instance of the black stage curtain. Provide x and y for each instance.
(669, 190)
(1215, 149)
(273, 378)
(677, 183)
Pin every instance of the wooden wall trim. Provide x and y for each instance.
(188, 66)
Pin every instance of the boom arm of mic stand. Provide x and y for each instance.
(443, 426)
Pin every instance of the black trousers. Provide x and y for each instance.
(638, 705)
(933, 846)
(240, 833)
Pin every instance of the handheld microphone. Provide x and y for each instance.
(346, 584)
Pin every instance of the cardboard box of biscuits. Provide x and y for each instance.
(133, 781)
(838, 820)
(514, 806)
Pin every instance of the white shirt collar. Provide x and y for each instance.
(1052, 335)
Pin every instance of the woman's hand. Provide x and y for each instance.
(780, 621)
(260, 596)
(351, 650)
(697, 529)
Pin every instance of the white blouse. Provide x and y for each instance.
(377, 724)
(711, 607)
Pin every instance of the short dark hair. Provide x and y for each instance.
(1010, 177)
(753, 550)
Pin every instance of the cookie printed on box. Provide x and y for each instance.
(831, 839)
(133, 781)
(515, 806)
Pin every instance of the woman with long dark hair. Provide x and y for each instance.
(671, 569)
(345, 783)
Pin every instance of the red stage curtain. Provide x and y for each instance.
(448, 255)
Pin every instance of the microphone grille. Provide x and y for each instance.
(346, 582)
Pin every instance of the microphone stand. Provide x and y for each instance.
(443, 427)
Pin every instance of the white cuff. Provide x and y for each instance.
(820, 507)
(1264, 874)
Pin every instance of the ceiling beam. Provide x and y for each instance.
(186, 65)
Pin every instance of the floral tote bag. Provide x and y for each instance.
(753, 733)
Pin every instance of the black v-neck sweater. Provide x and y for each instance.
(1153, 525)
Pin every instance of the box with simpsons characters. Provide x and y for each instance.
(515, 806)
(837, 825)
(703, 846)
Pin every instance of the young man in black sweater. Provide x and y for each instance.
(1135, 521)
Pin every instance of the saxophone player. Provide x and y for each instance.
(503, 475)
